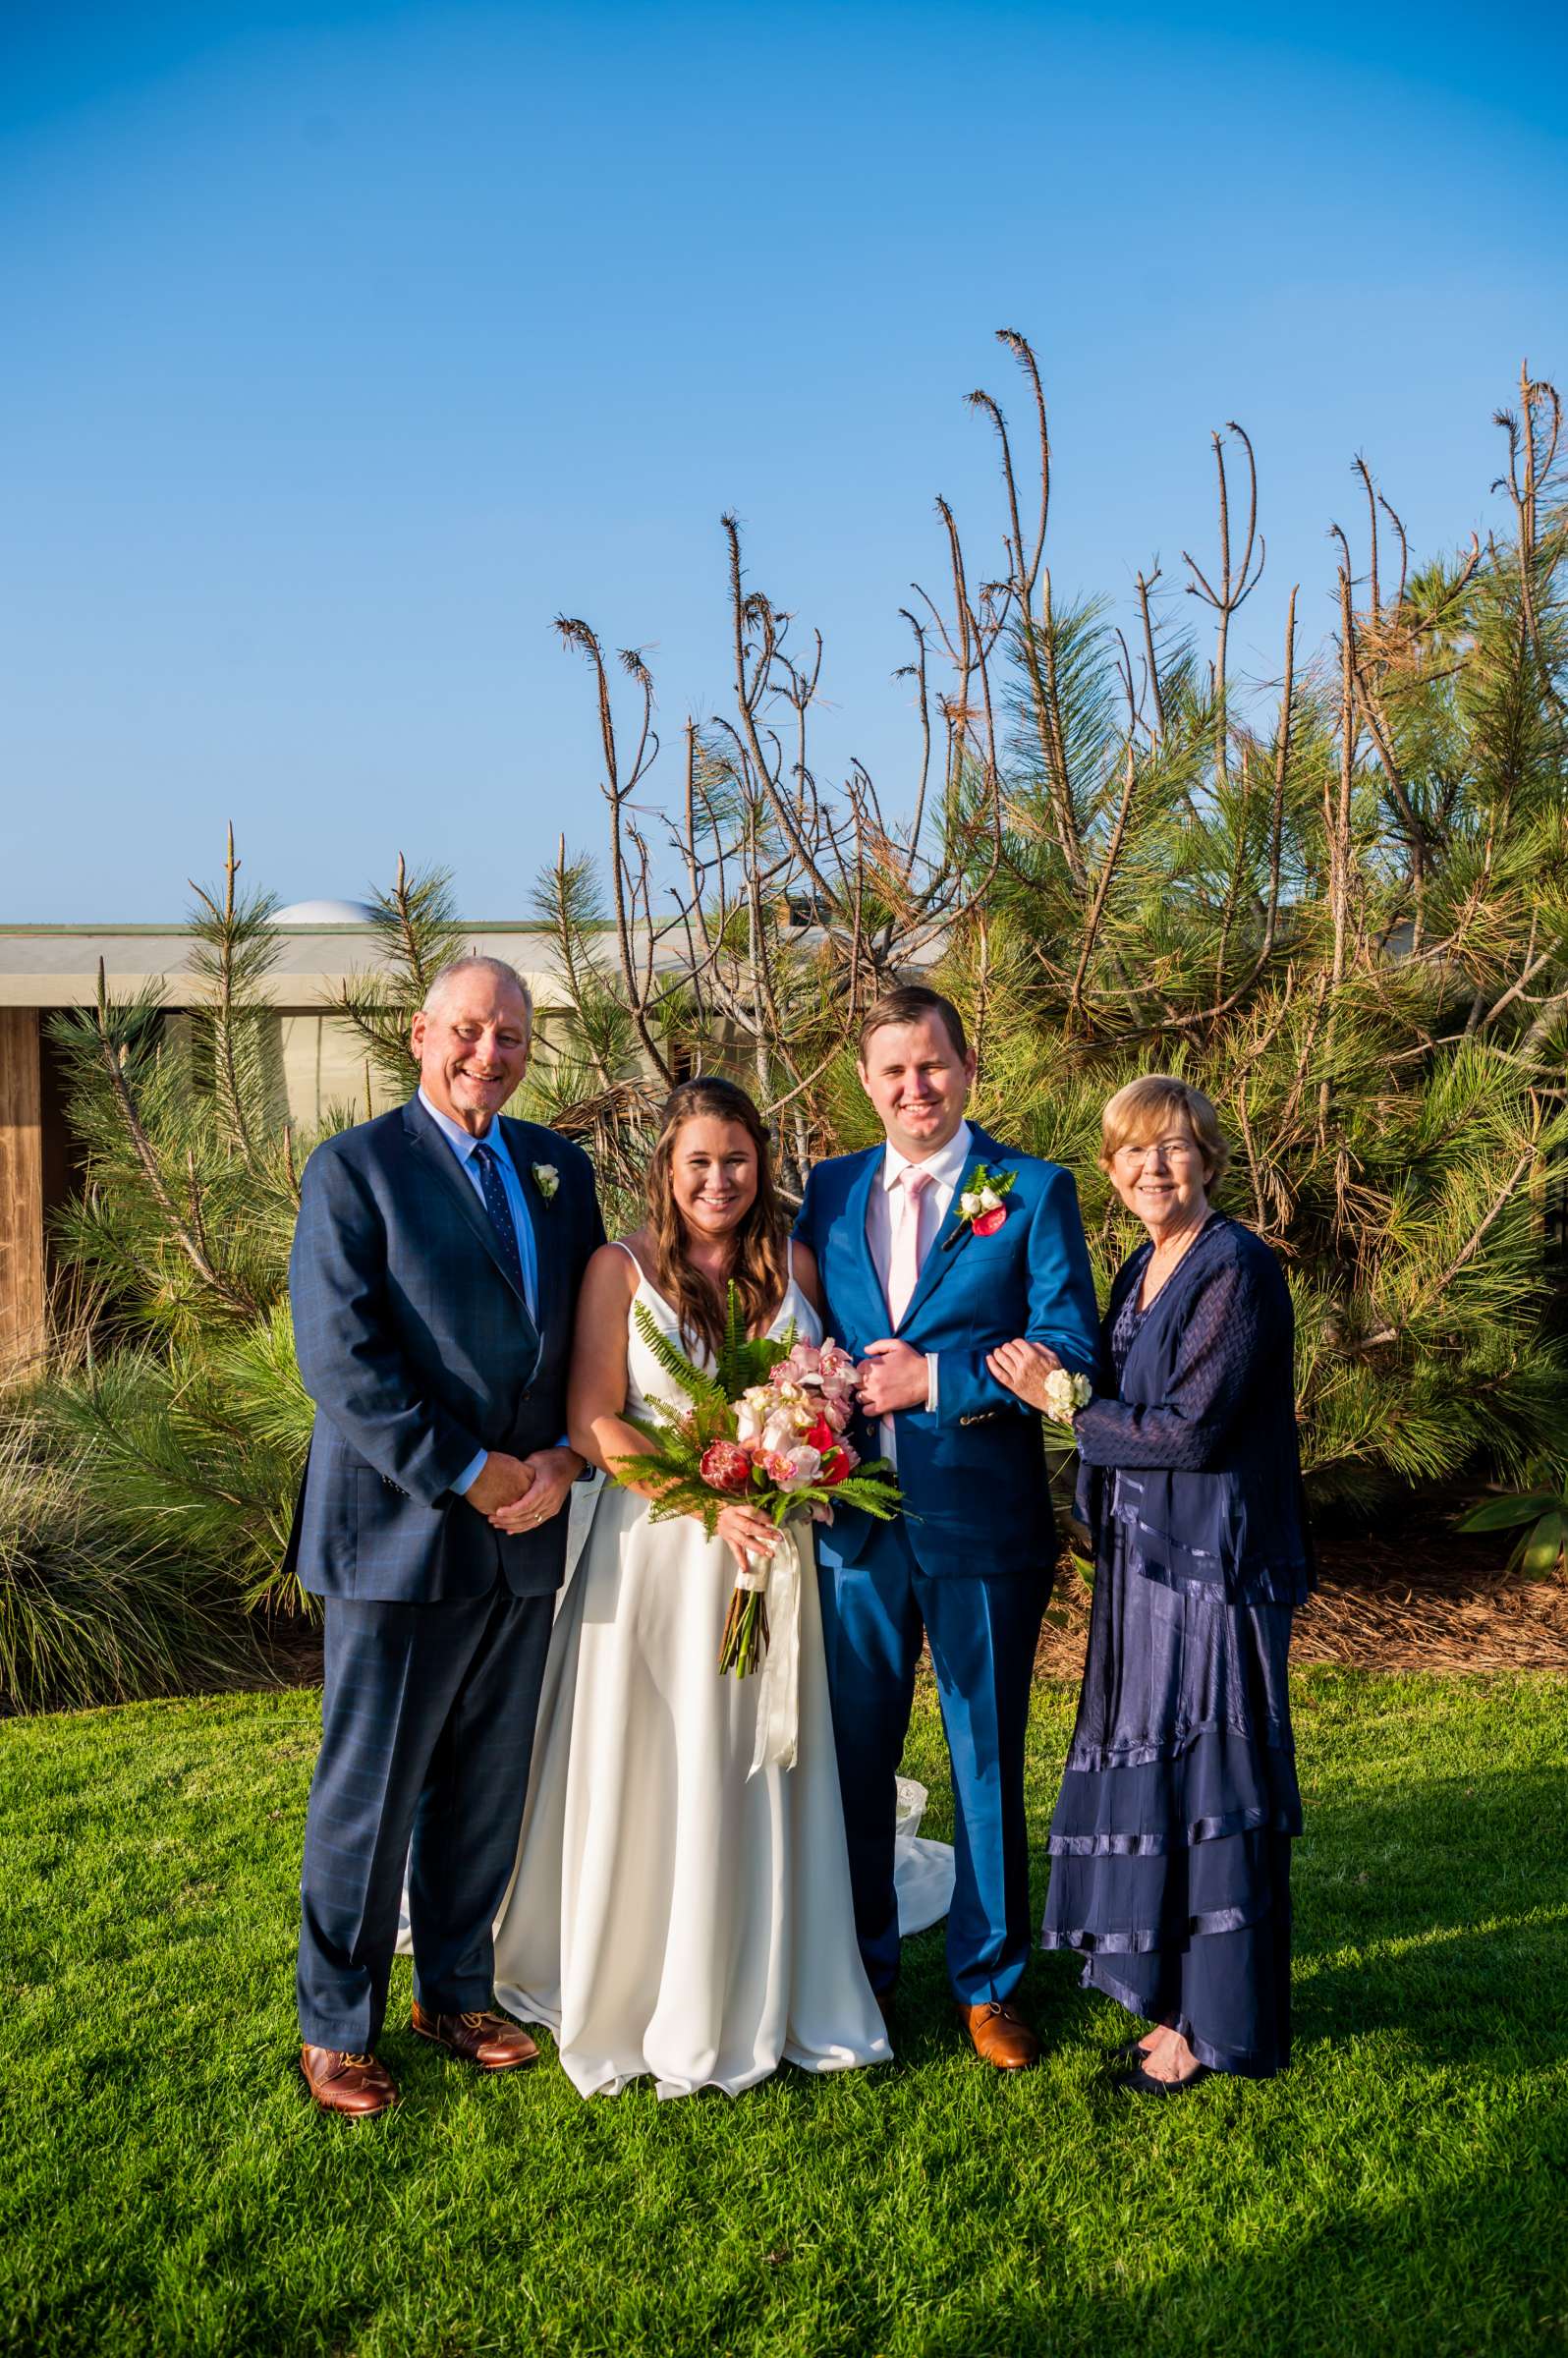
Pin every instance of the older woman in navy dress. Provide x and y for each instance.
(1170, 1844)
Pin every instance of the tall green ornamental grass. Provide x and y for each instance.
(87, 1614)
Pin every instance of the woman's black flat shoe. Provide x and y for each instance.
(1142, 2082)
(1130, 2055)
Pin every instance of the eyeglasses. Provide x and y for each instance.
(1177, 1149)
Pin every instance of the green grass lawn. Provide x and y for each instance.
(166, 2185)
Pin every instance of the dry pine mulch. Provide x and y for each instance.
(1416, 1595)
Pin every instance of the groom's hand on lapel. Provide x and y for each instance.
(892, 1376)
(551, 1473)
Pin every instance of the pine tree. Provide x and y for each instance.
(178, 1394)
(1345, 916)
(1346, 921)
(1349, 930)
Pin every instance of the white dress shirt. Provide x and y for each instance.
(944, 1169)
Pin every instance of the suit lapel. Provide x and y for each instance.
(856, 1212)
(436, 1156)
(953, 1237)
(521, 1141)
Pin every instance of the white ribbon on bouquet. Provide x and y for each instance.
(777, 1579)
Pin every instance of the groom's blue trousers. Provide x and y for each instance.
(426, 1733)
(983, 1630)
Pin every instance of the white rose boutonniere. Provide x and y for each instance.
(546, 1178)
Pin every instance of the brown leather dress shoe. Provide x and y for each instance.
(340, 2082)
(1000, 2034)
(489, 2041)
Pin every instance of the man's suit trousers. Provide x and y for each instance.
(984, 1630)
(428, 1731)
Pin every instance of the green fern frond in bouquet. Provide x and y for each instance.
(696, 1383)
(746, 1360)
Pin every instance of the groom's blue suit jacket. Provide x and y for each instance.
(973, 1475)
(419, 1352)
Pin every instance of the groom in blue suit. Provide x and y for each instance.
(434, 1279)
(920, 1280)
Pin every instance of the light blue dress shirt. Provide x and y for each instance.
(463, 1144)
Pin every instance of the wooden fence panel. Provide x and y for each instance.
(22, 1266)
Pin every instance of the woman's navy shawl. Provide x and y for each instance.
(1196, 1458)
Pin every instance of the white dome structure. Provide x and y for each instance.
(323, 913)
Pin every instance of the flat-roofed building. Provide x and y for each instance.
(318, 1061)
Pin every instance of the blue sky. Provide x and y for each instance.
(345, 346)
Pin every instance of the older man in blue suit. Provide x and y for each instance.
(935, 1248)
(435, 1280)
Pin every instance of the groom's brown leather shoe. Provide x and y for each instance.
(341, 2081)
(1000, 2034)
(487, 2040)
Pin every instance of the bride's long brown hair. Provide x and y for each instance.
(760, 1268)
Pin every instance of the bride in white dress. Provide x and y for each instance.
(672, 1914)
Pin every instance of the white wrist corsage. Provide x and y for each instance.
(1065, 1394)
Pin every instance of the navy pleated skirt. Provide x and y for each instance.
(1170, 1844)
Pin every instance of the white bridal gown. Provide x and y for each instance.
(669, 1914)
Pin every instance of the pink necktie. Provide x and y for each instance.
(904, 1260)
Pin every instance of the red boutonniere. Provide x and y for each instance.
(980, 1205)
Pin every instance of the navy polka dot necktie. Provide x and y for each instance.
(500, 1211)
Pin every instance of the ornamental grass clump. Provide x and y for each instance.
(87, 1615)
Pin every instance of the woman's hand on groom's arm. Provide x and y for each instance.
(551, 1473)
(1023, 1365)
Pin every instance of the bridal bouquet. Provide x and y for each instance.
(766, 1424)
